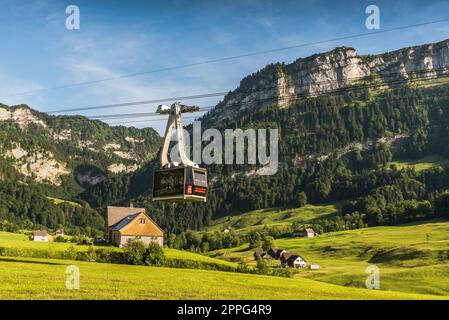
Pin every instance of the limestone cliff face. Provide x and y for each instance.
(279, 84)
(52, 149)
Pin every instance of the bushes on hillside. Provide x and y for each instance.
(134, 252)
(154, 255)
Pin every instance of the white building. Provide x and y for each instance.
(41, 236)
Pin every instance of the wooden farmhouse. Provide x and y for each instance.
(41, 236)
(293, 260)
(125, 223)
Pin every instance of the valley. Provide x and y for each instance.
(363, 163)
(412, 258)
(413, 262)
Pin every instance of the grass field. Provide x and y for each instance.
(425, 163)
(26, 278)
(58, 201)
(273, 217)
(411, 258)
(413, 261)
(21, 241)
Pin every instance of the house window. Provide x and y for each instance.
(143, 221)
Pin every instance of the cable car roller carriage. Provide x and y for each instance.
(178, 182)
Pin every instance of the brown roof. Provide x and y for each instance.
(40, 233)
(116, 214)
(259, 253)
(289, 257)
(128, 227)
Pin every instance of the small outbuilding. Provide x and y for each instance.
(307, 233)
(41, 236)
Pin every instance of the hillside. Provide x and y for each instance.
(21, 243)
(333, 146)
(44, 157)
(58, 149)
(46, 280)
(340, 146)
(273, 217)
(412, 258)
(331, 71)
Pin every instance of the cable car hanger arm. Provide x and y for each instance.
(175, 120)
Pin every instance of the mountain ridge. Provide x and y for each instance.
(48, 148)
(336, 69)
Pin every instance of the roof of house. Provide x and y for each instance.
(40, 233)
(309, 230)
(116, 214)
(125, 221)
(128, 219)
(259, 253)
(289, 257)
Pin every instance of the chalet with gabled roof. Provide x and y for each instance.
(126, 223)
(293, 260)
(41, 236)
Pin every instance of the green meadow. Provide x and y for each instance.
(258, 219)
(421, 164)
(27, 278)
(411, 258)
(413, 261)
(21, 241)
(59, 201)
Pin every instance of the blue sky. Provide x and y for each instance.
(121, 37)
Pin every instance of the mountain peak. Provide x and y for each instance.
(277, 84)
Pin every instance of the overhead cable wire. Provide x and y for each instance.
(291, 97)
(216, 94)
(250, 54)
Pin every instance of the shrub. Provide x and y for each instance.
(262, 266)
(106, 255)
(154, 255)
(70, 253)
(60, 239)
(254, 239)
(134, 252)
(302, 199)
(267, 243)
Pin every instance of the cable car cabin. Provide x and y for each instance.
(182, 184)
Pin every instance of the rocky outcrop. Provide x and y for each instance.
(46, 148)
(279, 84)
(39, 165)
(23, 116)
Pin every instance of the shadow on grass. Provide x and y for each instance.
(32, 261)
